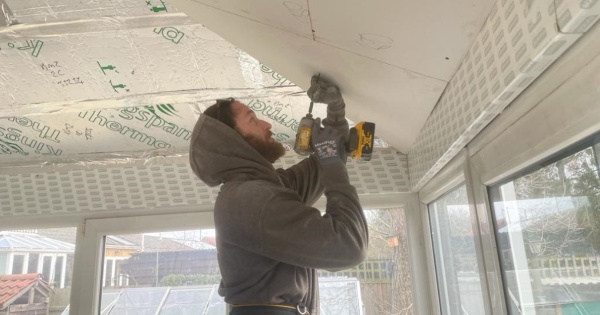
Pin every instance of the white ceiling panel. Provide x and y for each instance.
(396, 99)
(429, 37)
(289, 15)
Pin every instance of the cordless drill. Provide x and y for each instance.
(358, 142)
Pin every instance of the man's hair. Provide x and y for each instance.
(222, 112)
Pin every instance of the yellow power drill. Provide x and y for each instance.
(359, 142)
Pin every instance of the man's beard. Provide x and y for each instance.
(271, 151)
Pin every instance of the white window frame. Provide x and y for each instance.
(89, 255)
(559, 109)
(453, 175)
(114, 269)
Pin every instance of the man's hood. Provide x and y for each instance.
(219, 154)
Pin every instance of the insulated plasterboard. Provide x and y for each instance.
(130, 90)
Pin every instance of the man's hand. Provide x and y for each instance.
(328, 144)
(323, 91)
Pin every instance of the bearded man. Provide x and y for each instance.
(269, 238)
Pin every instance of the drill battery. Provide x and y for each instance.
(361, 141)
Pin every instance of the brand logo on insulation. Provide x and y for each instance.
(148, 115)
(13, 140)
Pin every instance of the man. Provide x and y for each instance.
(269, 238)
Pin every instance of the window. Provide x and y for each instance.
(36, 265)
(177, 272)
(59, 266)
(547, 225)
(161, 273)
(46, 267)
(456, 264)
(381, 284)
(33, 260)
(18, 264)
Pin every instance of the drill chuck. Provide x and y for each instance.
(304, 135)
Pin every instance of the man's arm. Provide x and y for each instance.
(304, 178)
(299, 235)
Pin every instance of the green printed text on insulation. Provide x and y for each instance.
(153, 121)
(95, 117)
(274, 113)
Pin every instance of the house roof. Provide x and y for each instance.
(145, 242)
(151, 242)
(17, 241)
(65, 234)
(13, 286)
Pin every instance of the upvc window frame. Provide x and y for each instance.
(455, 174)
(558, 110)
(89, 253)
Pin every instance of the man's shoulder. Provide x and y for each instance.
(250, 188)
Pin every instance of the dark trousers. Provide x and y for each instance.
(262, 310)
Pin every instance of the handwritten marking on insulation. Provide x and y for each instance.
(156, 9)
(170, 33)
(279, 79)
(71, 81)
(69, 129)
(374, 41)
(34, 45)
(53, 68)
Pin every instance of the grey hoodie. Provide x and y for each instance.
(269, 238)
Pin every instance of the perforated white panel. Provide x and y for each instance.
(159, 185)
(519, 40)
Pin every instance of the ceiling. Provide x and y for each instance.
(86, 80)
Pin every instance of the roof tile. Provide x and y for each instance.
(10, 285)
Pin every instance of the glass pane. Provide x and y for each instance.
(50, 289)
(457, 268)
(18, 264)
(186, 301)
(216, 305)
(58, 274)
(108, 272)
(381, 284)
(548, 232)
(161, 273)
(184, 265)
(33, 263)
(3, 263)
(139, 301)
(47, 267)
(107, 301)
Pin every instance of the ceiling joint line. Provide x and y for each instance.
(312, 29)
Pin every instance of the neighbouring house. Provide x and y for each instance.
(24, 294)
(150, 268)
(29, 253)
(119, 249)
